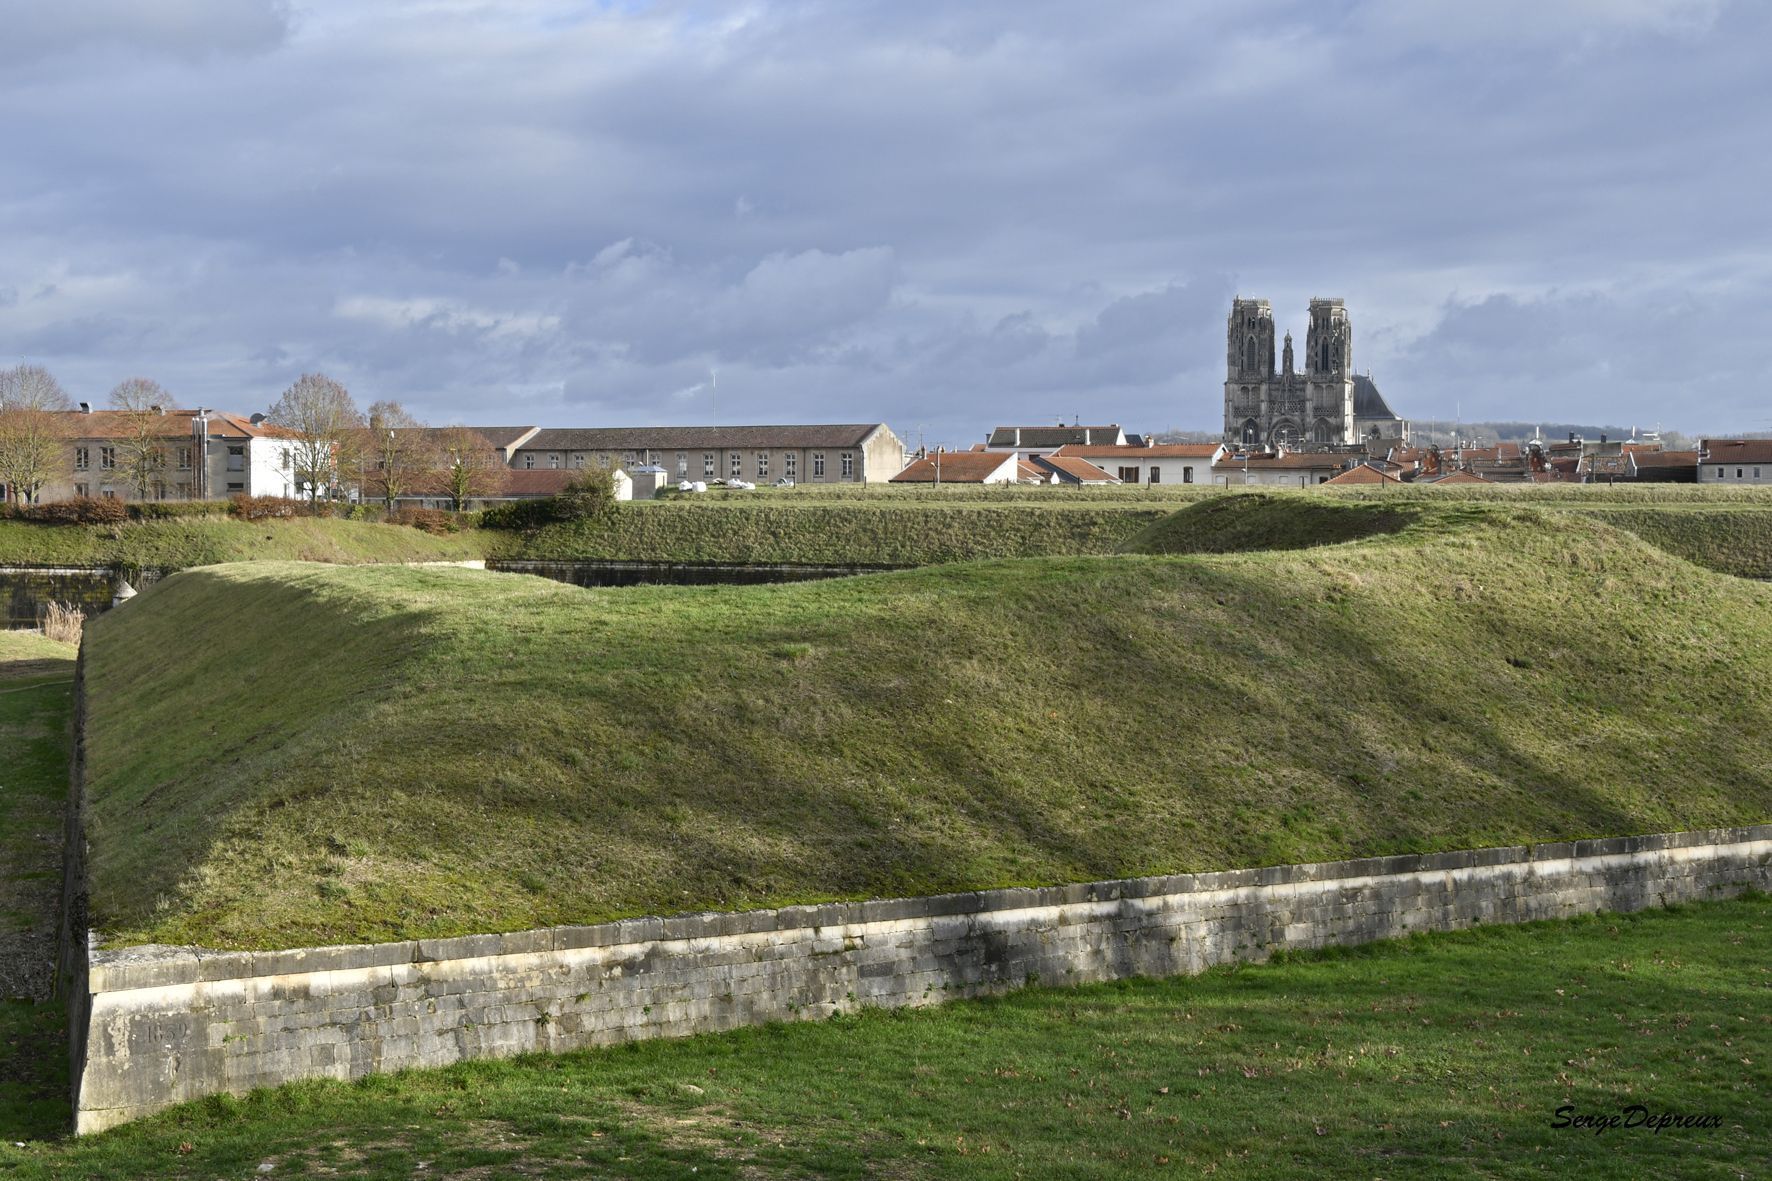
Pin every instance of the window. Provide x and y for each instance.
(159, 491)
(627, 459)
(1156, 474)
(108, 494)
(1187, 475)
(602, 459)
(107, 458)
(184, 459)
(682, 465)
(529, 461)
(236, 459)
(234, 486)
(1738, 473)
(1756, 473)
(737, 466)
(818, 465)
(790, 465)
(82, 489)
(1128, 475)
(82, 460)
(554, 461)
(707, 465)
(762, 465)
(578, 461)
(849, 465)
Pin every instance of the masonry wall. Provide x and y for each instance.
(163, 1025)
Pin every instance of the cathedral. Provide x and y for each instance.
(1327, 404)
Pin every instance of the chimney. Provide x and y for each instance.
(86, 407)
(1085, 436)
(1018, 436)
(1150, 440)
(1572, 436)
(160, 410)
(1602, 437)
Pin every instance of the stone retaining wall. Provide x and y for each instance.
(161, 1025)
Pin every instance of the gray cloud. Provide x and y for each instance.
(178, 28)
(935, 213)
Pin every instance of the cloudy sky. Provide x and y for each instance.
(941, 215)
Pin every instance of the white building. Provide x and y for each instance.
(1159, 463)
(1735, 461)
(202, 455)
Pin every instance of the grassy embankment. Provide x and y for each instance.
(910, 532)
(36, 677)
(1727, 529)
(1436, 1056)
(387, 753)
(181, 543)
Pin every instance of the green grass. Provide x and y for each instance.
(1436, 1056)
(855, 532)
(377, 753)
(200, 541)
(35, 702)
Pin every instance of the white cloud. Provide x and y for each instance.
(443, 315)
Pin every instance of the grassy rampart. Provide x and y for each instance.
(863, 533)
(387, 752)
(181, 543)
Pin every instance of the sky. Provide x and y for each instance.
(943, 216)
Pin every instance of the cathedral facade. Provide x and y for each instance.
(1324, 404)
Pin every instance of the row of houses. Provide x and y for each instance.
(1101, 455)
(209, 454)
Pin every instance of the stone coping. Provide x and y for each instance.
(161, 965)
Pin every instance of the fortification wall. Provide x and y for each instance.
(159, 1025)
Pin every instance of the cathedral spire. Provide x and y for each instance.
(1288, 354)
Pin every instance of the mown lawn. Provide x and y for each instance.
(1438, 1056)
(396, 753)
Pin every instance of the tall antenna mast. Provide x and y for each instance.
(713, 396)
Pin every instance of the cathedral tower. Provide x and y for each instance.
(1329, 372)
(1249, 368)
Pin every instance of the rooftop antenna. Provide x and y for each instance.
(713, 392)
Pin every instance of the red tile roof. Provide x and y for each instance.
(1291, 461)
(1364, 474)
(1134, 454)
(1080, 470)
(958, 467)
(1738, 450)
(1664, 458)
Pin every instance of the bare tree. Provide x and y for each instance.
(327, 429)
(31, 387)
(471, 466)
(141, 408)
(400, 451)
(33, 439)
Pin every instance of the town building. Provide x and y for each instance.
(1068, 469)
(1031, 441)
(198, 455)
(853, 453)
(1281, 469)
(967, 467)
(1735, 461)
(1325, 404)
(1156, 463)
